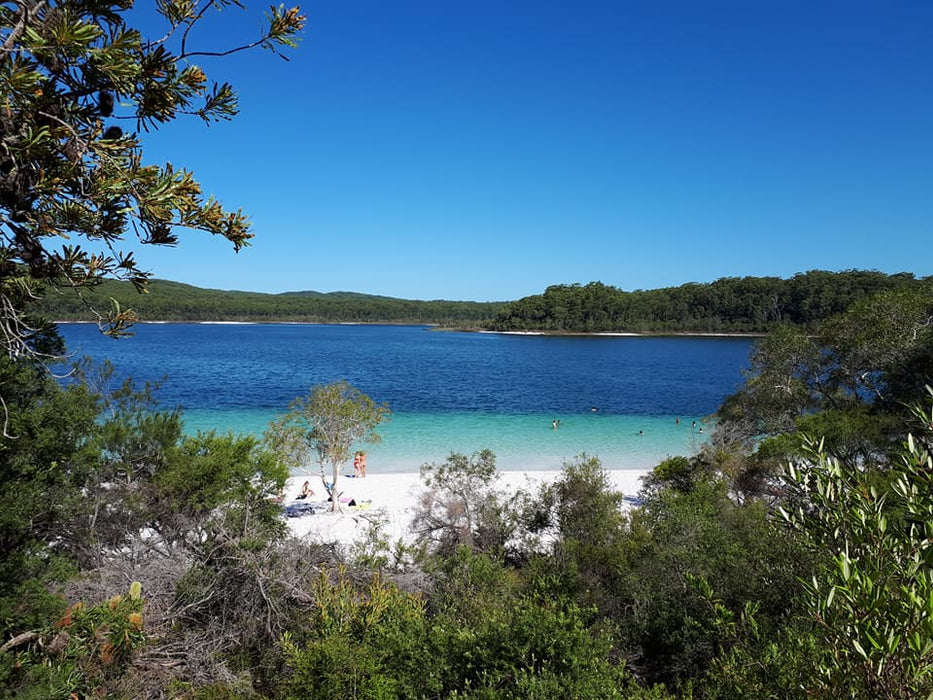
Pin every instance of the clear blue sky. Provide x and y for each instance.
(485, 150)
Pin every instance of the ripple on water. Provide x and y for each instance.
(519, 441)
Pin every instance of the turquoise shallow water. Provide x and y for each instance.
(519, 441)
(448, 391)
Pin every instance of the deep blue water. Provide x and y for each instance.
(447, 390)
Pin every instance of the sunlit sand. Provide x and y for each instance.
(391, 499)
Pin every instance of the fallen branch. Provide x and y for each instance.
(19, 640)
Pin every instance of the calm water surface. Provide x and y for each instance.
(448, 391)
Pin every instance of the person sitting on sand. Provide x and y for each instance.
(305, 492)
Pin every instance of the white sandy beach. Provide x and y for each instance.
(391, 498)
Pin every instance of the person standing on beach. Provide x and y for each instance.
(359, 464)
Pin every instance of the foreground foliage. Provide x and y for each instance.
(873, 596)
(83, 654)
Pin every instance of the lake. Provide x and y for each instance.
(629, 400)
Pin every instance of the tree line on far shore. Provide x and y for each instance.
(727, 305)
(174, 301)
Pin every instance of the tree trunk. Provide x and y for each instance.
(334, 504)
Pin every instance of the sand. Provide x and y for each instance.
(391, 498)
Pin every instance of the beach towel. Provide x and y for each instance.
(302, 508)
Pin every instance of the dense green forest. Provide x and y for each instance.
(728, 305)
(789, 558)
(173, 301)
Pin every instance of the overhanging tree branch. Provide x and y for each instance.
(66, 68)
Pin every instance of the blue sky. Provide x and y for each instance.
(485, 150)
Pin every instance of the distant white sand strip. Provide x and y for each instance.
(393, 497)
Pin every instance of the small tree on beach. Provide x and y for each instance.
(323, 426)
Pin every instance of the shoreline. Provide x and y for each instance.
(626, 334)
(390, 500)
(432, 326)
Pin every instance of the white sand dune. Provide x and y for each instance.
(392, 497)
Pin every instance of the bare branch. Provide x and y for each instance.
(26, 15)
(19, 640)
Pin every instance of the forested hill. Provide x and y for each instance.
(728, 305)
(173, 301)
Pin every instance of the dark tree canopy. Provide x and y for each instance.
(729, 304)
(173, 301)
(77, 86)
